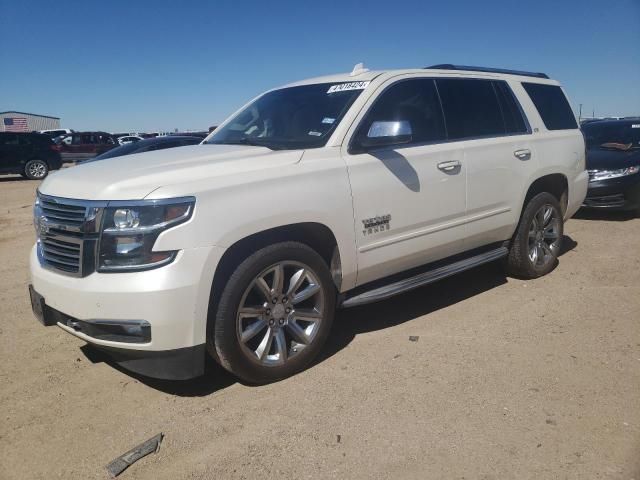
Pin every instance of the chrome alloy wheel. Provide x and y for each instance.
(544, 236)
(280, 313)
(37, 170)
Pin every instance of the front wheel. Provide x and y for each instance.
(536, 245)
(274, 313)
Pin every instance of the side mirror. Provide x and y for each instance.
(386, 133)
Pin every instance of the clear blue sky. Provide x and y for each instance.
(149, 65)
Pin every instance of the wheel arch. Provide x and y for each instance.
(556, 184)
(316, 235)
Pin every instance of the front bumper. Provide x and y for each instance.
(172, 301)
(616, 194)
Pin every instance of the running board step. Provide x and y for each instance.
(387, 291)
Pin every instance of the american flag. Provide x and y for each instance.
(15, 124)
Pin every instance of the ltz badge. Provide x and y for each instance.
(376, 224)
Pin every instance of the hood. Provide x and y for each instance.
(133, 177)
(611, 159)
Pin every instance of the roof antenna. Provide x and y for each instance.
(358, 69)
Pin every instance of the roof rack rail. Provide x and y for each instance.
(449, 66)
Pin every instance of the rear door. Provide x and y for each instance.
(483, 116)
(10, 152)
(71, 148)
(104, 143)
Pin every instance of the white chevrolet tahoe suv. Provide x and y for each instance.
(326, 193)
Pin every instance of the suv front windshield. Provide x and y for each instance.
(290, 118)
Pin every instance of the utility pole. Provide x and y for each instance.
(580, 114)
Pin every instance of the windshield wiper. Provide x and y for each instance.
(254, 142)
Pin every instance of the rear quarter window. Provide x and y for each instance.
(552, 105)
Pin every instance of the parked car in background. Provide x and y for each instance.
(613, 162)
(129, 139)
(330, 192)
(83, 145)
(147, 145)
(31, 155)
(56, 132)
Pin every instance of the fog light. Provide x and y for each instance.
(126, 218)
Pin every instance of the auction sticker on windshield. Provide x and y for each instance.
(341, 87)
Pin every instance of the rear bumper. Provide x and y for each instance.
(614, 194)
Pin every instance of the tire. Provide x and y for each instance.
(522, 262)
(261, 339)
(36, 169)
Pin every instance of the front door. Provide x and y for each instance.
(409, 200)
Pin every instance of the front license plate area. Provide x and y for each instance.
(39, 308)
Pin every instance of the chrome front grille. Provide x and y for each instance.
(62, 254)
(63, 214)
(67, 231)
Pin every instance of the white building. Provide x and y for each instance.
(26, 122)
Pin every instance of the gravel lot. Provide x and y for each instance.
(508, 379)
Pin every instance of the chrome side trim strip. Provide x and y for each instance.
(386, 291)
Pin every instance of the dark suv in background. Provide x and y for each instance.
(83, 145)
(31, 155)
(613, 162)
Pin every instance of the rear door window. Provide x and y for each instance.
(514, 121)
(471, 108)
(9, 139)
(552, 105)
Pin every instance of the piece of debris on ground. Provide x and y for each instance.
(124, 461)
(413, 338)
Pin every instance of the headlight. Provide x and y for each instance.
(130, 229)
(597, 175)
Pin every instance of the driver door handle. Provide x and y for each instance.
(524, 154)
(449, 166)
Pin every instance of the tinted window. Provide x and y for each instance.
(288, 118)
(513, 120)
(611, 135)
(415, 101)
(470, 107)
(552, 105)
(9, 139)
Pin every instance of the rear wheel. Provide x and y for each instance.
(36, 169)
(536, 245)
(274, 313)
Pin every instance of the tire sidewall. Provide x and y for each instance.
(31, 162)
(227, 348)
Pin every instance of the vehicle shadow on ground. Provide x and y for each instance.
(215, 377)
(14, 179)
(348, 324)
(422, 301)
(612, 216)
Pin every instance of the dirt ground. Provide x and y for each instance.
(508, 379)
